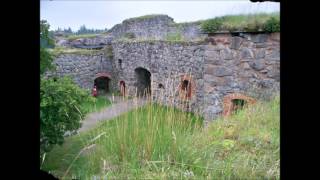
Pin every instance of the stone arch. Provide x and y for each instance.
(143, 81)
(229, 102)
(101, 81)
(186, 87)
(122, 88)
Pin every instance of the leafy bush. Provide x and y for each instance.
(211, 25)
(174, 37)
(45, 42)
(60, 110)
(272, 25)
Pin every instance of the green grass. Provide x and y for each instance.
(145, 17)
(62, 50)
(99, 103)
(74, 37)
(157, 142)
(241, 22)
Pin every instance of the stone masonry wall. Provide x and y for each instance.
(167, 62)
(82, 68)
(249, 63)
(246, 63)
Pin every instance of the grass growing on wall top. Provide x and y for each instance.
(242, 22)
(158, 142)
(74, 37)
(62, 50)
(145, 17)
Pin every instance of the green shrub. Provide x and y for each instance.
(272, 25)
(211, 25)
(174, 37)
(60, 110)
(242, 22)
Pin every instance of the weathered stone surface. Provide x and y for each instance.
(222, 71)
(257, 64)
(236, 43)
(213, 71)
(259, 38)
(246, 53)
(226, 54)
(260, 53)
(209, 69)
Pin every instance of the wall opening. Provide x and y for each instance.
(102, 84)
(238, 104)
(120, 63)
(235, 102)
(186, 89)
(160, 86)
(143, 81)
(122, 88)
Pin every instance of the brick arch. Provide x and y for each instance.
(228, 105)
(191, 87)
(103, 74)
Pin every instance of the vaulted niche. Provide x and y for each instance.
(143, 81)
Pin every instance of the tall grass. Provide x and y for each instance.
(159, 142)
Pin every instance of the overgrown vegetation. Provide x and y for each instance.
(174, 37)
(60, 100)
(96, 104)
(45, 42)
(60, 110)
(74, 37)
(62, 50)
(145, 17)
(156, 142)
(249, 22)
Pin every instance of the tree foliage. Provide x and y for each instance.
(60, 110)
(272, 25)
(45, 42)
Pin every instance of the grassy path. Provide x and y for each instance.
(119, 107)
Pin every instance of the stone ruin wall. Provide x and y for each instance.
(227, 65)
(223, 65)
(249, 64)
(157, 28)
(83, 68)
(167, 62)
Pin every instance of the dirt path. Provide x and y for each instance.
(118, 107)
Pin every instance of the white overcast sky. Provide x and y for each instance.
(105, 13)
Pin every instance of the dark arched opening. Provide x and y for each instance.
(143, 81)
(122, 88)
(102, 84)
(238, 104)
(186, 88)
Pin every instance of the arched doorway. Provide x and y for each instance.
(234, 102)
(143, 81)
(186, 87)
(101, 81)
(122, 88)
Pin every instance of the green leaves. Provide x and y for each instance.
(60, 104)
(272, 25)
(211, 25)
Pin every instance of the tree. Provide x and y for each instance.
(61, 99)
(60, 110)
(45, 42)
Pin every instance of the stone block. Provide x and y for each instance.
(222, 71)
(236, 43)
(246, 53)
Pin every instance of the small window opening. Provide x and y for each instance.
(186, 88)
(238, 104)
(120, 63)
(160, 86)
